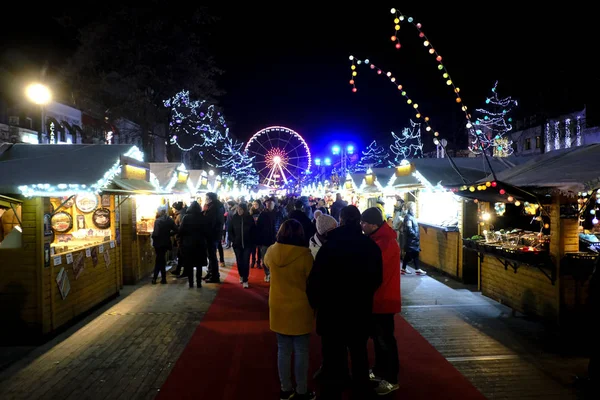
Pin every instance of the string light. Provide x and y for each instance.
(491, 129)
(397, 85)
(399, 18)
(374, 156)
(193, 121)
(231, 157)
(67, 189)
(401, 149)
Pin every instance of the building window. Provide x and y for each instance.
(538, 142)
(528, 144)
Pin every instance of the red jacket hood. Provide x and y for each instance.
(387, 299)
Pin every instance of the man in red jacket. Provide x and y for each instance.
(386, 302)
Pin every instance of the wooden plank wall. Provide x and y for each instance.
(138, 254)
(20, 278)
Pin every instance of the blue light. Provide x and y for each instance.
(350, 149)
(335, 149)
(317, 161)
(328, 161)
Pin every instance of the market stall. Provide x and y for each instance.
(534, 261)
(63, 256)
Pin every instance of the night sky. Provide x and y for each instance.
(289, 65)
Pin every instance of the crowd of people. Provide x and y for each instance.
(332, 265)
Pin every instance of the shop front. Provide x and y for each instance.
(62, 257)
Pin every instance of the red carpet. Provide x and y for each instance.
(233, 354)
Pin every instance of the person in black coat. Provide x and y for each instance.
(299, 214)
(192, 233)
(412, 239)
(242, 234)
(215, 218)
(164, 228)
(346, 273)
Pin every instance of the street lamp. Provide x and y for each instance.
(41, 95)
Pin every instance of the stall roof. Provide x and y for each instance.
(440, 171)
(53, 165)
(575, 169)
(164, 173)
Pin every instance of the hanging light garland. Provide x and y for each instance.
(418, 114)
(399, 18)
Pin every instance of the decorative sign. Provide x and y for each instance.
(112, 244)
(107, 259)
(101, 218)
(62, 281)
(86, 202)
(69, 258)
(88, 253)
(105, 200)
(135, 172)
(57, 260)
(101, 248)
(78, 263)
(61, 222)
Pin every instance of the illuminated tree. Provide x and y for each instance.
(490, 131)
(374, 156)
(228, 155)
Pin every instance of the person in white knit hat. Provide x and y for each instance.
(325, 223)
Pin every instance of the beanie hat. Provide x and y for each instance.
(326, 223)
(372, 216)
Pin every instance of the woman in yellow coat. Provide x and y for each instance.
(290, 314)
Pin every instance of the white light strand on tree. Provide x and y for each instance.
(408, 145)
(567, 133)
(578, 131)
(556, 136)
(374, 156)
(194, 123)
(548, 137)
(229, 156)
(491, 128)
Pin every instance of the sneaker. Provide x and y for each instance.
(267, 278)
(305, 396)
(222, 265)
(241, 280)
(374, 377)
(286, 394)
(245, 285)
(405, 272)
(385, 387)
(420, 272)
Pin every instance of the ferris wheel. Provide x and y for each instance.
(280, 155)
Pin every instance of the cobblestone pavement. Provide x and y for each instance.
(505, 356)
(127, 348)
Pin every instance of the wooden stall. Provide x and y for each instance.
(547, 279)
(63, 258)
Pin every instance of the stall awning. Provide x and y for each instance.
(51, 169)
(575, 169)
(6, 201)
(132, 186)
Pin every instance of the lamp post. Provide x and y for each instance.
(41, 95)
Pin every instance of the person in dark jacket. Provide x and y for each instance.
(164, 228)
(299, 215)
(192, 233)
(242, 234)
(215, 217)
(337, 206)
(267, 226)
(412, 238)
(346, 273)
